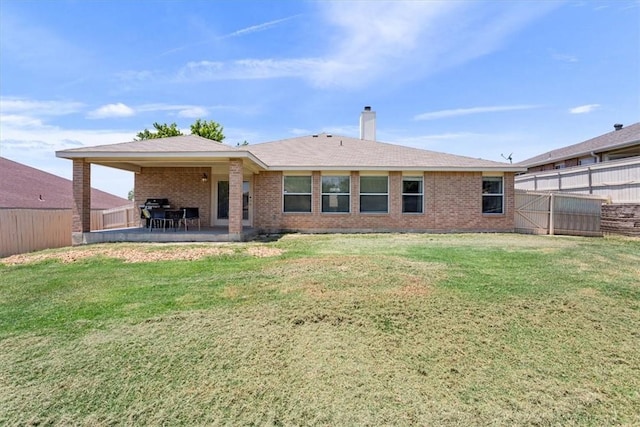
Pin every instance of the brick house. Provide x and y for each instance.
(315, 183)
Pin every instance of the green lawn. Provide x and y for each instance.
(388, 329)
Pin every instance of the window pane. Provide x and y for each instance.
(412, 204)
(373, 184)
(297, 184)
(492, 204)
(373, 203)
(297, 203)
(335, 203)
(492, 185)
(412, 186)
(335, 184)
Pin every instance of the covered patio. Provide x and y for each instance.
(189, 171)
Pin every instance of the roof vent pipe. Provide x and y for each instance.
(368, 124)
(617, 126)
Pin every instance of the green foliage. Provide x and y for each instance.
(162, 131)
(204, 128)
(131, 195)
(208, 129)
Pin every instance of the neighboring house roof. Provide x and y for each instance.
(625, 137)
(313, 152)
(22, 186)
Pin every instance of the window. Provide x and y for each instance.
(374, 194)
(297, 194)
(587, 160)
(492, 195)
(412, 194)
(336, 193)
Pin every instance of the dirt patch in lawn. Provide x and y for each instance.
(140, 253)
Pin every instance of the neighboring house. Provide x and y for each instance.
(608, 165)
(315, 183)
(22, 186)
(621, 143)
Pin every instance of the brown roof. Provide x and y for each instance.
(174, 144)
(22, 186)
(313, 152)
(625, 137)
(325, 151)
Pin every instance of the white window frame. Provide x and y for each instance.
(332, 193)
(285, 194)
(501, 194)
(386, 211)
(420, 194)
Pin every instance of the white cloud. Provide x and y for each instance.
(247, 69)
(193, 112)
(474, 110)
(259, 27)
(111, 110)
(564, 57)
(369, 41)
(584, 109)
(38, 108)
(404, 40)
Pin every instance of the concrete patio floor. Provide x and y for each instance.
(142, 234)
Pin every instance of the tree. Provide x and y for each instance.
(204, 128)
(208, 129)
(130, 196)
(162, 131)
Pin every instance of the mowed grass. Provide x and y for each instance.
(389, 329)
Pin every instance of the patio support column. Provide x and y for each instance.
(235, 199)
(81, 209)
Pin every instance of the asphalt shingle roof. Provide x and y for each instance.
(628, 135)
(183, 143)
(313, 152)
(22, 186)
(332, 151)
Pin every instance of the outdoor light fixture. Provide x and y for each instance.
(204, 178)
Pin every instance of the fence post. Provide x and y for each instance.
(551, 215)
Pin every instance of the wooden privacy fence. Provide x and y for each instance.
(26, 230)
(558, 213)
(617, 179)
(122, 217)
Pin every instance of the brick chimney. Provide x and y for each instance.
(368, 124)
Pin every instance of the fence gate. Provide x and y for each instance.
(558, 213)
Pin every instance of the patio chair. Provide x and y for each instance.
(173, 219)
(158, 220)
(190, 215)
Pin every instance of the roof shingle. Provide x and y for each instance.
(629, 135)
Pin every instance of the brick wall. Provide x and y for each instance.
(182, 186)
(453, 202)
(81, 209)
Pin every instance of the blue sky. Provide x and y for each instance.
(475, 78)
